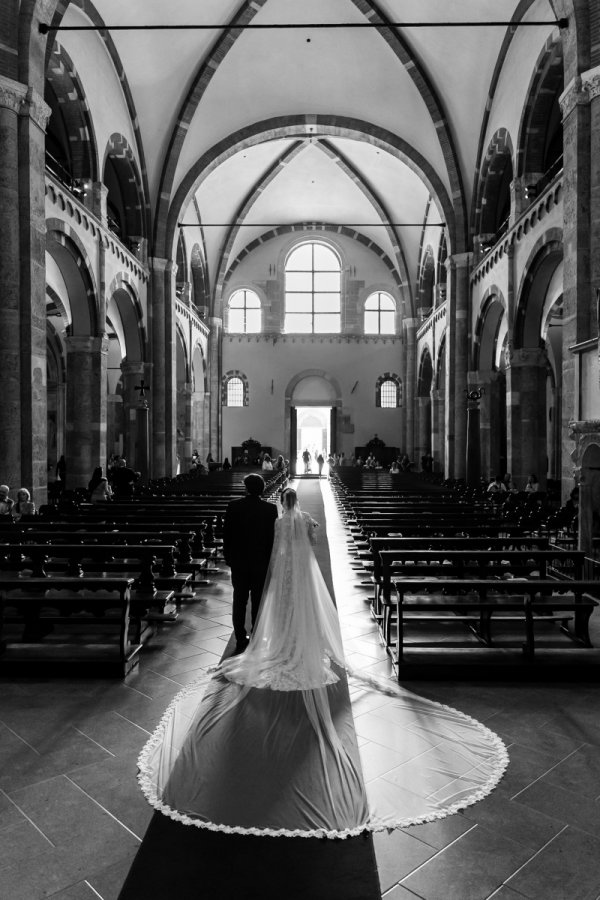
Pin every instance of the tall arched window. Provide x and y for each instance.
(388, 391)
(380, 314)
(313, 284)
(235, 392)
(244, 312)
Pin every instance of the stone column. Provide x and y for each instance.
(424, 444)
(437, 429)
(492, 440)
(133, 373)
(96, 201)
(579, 212)
(197, 429)
(86, 407)
(215, 366)
(12, 98)
(457, 363)
(170, 353)
(410, 352)
(526, 373)
(156, 317)
(473, 449)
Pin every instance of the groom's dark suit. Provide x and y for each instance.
(247, 543)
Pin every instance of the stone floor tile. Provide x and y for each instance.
(526, 766)
(21, 844)
(571, 809)
(471, 868)
(62, 811)
(513, 820)
(568, 868)
(173, 667)
(79, 891)
(579, 772)
(442, 832)
(108, 880)
(398, 854)
(398, 892)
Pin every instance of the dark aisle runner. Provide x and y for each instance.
(178, 862)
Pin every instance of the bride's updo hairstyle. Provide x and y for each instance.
(289, 498)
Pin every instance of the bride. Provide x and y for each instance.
(265, 744)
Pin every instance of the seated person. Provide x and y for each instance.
(395, 467)
(98, 487)
(496, 486)
(24, 505)
(267, 465)
(226, 463)
(532, 484)
(405, 462)
(123, 479)
(6, 504)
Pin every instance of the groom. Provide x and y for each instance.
(247, 543)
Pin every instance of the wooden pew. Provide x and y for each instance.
(39, 605)
(476, 602)
(460, 564)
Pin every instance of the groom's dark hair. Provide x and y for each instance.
(255, 484)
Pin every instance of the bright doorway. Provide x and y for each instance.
(313, 433)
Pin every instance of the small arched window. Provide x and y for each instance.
(380, 314)
(388, 391)
(244, 312)
(235, 392)
(313, 285)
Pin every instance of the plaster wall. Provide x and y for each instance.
(270, 366)
(513, 84)
(108, 109)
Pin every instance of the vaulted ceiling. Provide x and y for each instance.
(253, 127)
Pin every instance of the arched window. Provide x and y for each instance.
(244, 312)
(235, 389)
(388, 391)
(380, 314)
(313, 284)
(235, 392)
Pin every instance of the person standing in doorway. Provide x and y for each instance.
(320, 463)
(306, 457)
(248, 534)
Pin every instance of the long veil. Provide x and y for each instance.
(266, 743)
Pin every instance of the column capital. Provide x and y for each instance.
(86, 344)
(411, 323)
(525, 356)
(132, 368)
(424, 401)
(157, 264)
(580, 90)
(39, 112)
(13, 94)
(459, 261)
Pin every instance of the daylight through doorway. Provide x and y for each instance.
(313, 425)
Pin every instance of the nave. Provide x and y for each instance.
(73, 818)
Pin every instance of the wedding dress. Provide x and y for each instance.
(266, 743)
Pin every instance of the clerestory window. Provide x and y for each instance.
(380, 314)
(244, 312)
(313, 284)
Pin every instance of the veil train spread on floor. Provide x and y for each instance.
(266, 744)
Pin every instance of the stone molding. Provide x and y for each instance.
(275, 337)
(86, 344)
(585, 434)
(580, 91)
(189, 313)
(13, 94)
(525, 356)
(132, 368)
(459, 261)
(157, 264)
(39, 112)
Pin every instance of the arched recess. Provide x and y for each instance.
(181, 278)
(425, 406)
(311, 387)
(126, 356)
(540, 140)
(545, 257)
(56, 388)
(491, 331)
(71, 151)
(184, 398)
(493, 199)
(438, 408)
(200, 437)
(199, 281)
(66, 249)
(426, 296)
(124, 199)
(301, 126)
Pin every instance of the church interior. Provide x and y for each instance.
(347, 226)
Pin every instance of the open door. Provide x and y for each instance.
(333, 430)
(293, 440)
